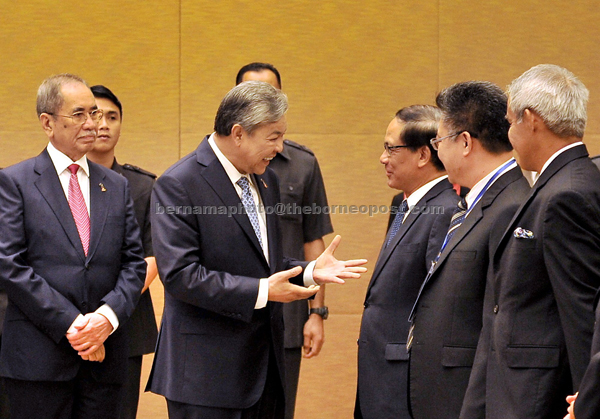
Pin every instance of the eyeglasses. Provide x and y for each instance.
(390, 148)
(435, 142)
(79, 118)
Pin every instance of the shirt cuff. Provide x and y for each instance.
(263, 294)
(110, 315)
(308, 274)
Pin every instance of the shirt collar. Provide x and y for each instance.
(553, 157)
(417, 195)
(233, 173)
(474, 192)
(61, 161)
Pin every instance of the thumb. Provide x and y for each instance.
(290, 273)
(333, 245)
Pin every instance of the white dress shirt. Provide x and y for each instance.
(61, 163)
(234, 175)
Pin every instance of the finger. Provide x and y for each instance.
(355, 262)
(306, 345)
(333, 245)
(89, 351)
(304, 293)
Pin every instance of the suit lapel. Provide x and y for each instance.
(99, 201)
(217, 178)
(386, 252)
(476, 213)
(559, 162)
(268, 200)
(51, 189)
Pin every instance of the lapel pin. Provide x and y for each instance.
(263, 182)
(102, 188)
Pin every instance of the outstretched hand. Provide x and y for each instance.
(330, 270)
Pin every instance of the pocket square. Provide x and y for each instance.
(521, 233)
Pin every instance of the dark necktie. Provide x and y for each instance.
(397, 222)
(79, 209)
(456, 220)
(248, 202)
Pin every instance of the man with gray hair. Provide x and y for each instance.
(218, 248)
(538, 322)
(72, 267)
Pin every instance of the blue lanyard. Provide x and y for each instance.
(479, 196)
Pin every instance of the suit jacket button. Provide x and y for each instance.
(496, 308)
(366, 304)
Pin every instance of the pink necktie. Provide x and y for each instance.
(78, 209)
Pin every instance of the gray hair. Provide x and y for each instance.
(553, 93)
(49, 96)
(250, 104)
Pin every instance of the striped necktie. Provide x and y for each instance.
(79, 209)
(457, 219)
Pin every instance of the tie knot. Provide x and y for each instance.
(74, 168)
(243, 183)
(404, 207)
(462, 204)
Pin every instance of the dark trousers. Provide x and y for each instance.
(293, 358)
(131, 390)
(271, 404)
(80, 398)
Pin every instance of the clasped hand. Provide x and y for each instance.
(87, 335)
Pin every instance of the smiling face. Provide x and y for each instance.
(109, 127)
(74, 140)
(256, 150)
(402, 164)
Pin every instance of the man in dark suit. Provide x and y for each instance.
(72, 267)
(413, 241)
(141, 328)
(473, 145)
(300, 184)
(537, 332)
(217, 242)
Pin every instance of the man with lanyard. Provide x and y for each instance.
(447, 316)
(538, 323)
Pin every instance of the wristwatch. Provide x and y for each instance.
(321, 311)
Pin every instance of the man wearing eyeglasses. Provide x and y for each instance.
(72, 266)
(536, 340)
(411, 244)
(472, 142)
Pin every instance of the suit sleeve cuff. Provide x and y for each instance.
(263, 293)
(110, 315)
(308, 274)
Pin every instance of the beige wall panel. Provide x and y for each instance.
(499, 40)
(346, 66)
(327, 387)
(133, 48)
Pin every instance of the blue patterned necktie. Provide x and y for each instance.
(397, 222)
(248, 202)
